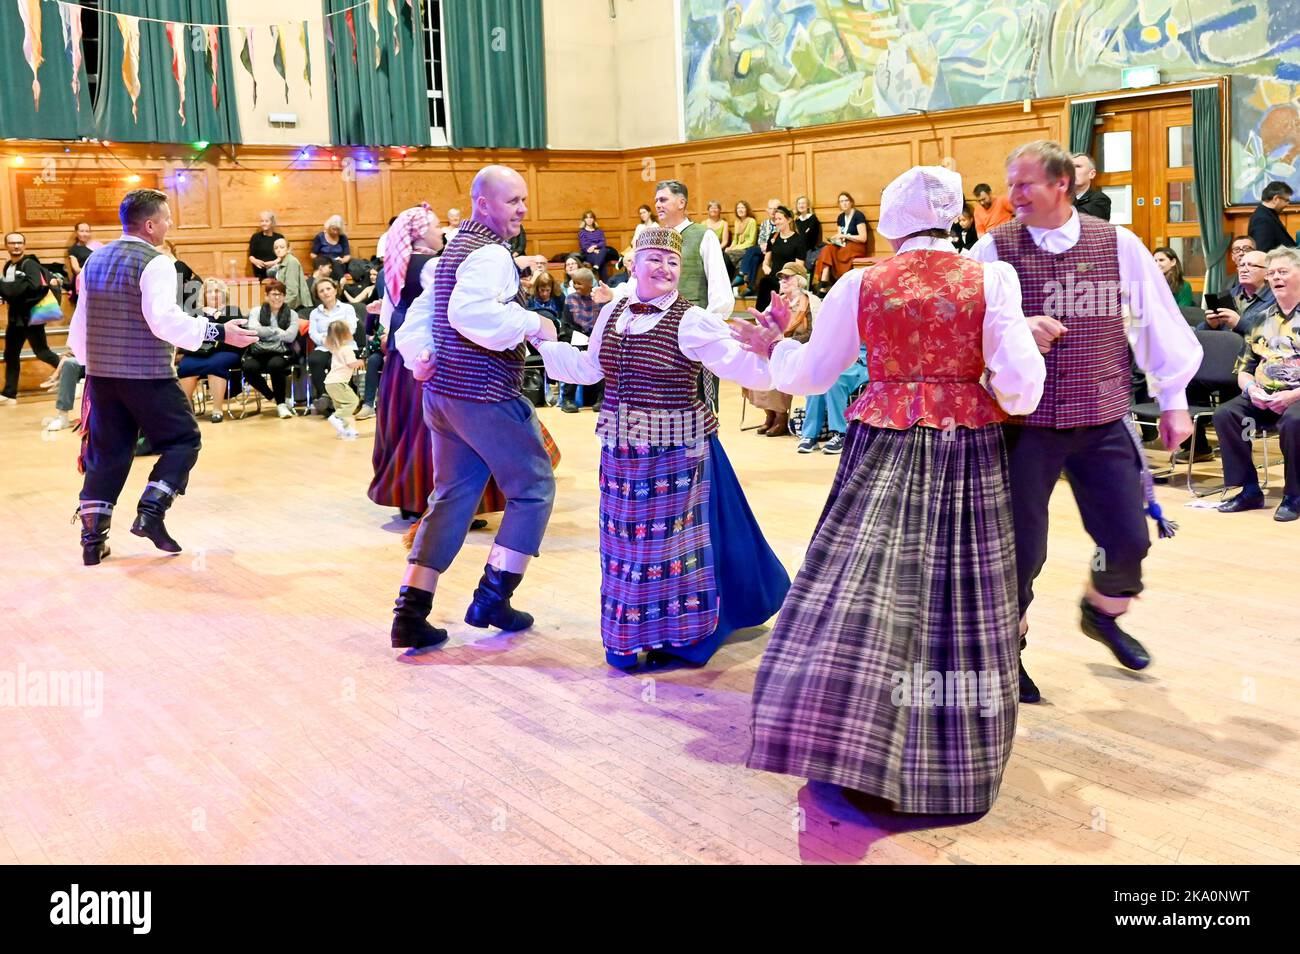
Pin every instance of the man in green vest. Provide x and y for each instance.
(703, 281)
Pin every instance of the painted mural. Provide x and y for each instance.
(754, 65)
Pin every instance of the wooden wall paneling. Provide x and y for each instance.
(368, 190)
(731, 178)
(194, 199)
(563, 194)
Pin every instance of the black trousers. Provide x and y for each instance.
(18, 333)
(1104, 472)
(1230, 423)
(257, 365)
(120, 408)
(318, 365)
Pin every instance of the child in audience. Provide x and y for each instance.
(579, 317)
(344, 363)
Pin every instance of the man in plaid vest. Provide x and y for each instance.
(464, 337)
(122, 331)
(1091, 292)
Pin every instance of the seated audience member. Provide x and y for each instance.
(358, 287)
(645, 220)
(830, 409)
(572, 264)
(595, 251)
(1172, 269)
(212, 360)
(452, 228)
(83, 244)
(851, 240)
(543, 297)
(1241, 244)
(1251, 294)
(276, 326)
(330, 310)
(68, 374)
(190, 289)
(964, 235)
(579, 317)
(261, 247)
(374, 354)
(1266, 228)
(333, 244)
(288, 272)
(1088, 200)
(519, 252)
(990, 210)
(1268, 373)
(744, 234)
(793, 279)
(809, 226)
(715, 223)
(752, 261)
(785, 246)
(323, 268)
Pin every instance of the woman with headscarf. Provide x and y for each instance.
(892, 669)
(683, 562)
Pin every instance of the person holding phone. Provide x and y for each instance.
(1243, 311)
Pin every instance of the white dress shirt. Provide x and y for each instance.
(482, 306)
(1164, 344)
(702, 336)
(721, 299)
(389, 303)
(1016, 370)
(166, 319)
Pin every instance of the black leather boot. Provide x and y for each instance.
(149, 518)
(1028, 691)
(411, 626)
(94, 533)
(491, 606)
(1105, 629)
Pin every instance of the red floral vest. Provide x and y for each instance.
(921, 316)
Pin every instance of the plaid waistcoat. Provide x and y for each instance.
(1089, 377)
(119, 342)
(646, 375)
(463, 369)
(921, 315)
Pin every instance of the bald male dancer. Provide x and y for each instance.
(464, 338)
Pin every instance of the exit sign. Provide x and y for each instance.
(1135, 77)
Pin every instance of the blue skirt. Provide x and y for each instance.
(751, 583)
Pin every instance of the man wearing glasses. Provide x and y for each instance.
(1251, 295)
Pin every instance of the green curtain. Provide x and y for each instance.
(1207, 167)
(156, 116)
(59, 114)
(378, 90)
(1081, 119)
(496, 79)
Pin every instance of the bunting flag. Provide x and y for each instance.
(392, 13)
(352, 30)
(176, 33)
(277, 57)
(129, 27)
(305, 39)
(374, 28)
(30, 11)
(213, 34)
(246, 58)
(70, 14)
(329, 37)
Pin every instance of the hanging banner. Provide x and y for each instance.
(30, 12)
(70, 14)
(277, 57)
(176, 33)
(246, 58)
(352, 30)
(304, 38)
(374, 28)
(213, 35)
(129, 27)
(392, 13)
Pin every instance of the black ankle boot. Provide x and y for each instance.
(411, 626)
(94, 535)
(491, 606)
(1105, 629)
(149, 518)
(1028, 691)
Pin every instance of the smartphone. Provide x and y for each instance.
(1217, 300)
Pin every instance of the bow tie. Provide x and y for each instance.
(641, 308)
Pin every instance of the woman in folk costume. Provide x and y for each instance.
(892, 667)
(683, 562)
(403, 456)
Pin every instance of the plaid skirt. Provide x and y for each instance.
(892, 667)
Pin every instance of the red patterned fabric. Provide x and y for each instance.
(921, 315)
(1089, 377)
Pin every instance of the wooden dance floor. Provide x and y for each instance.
(252, 711)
